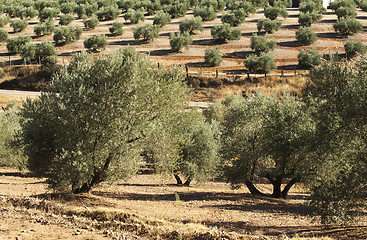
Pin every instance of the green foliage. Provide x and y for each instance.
(206, 13)
(147, 31)
(310, 6)
(342, 3)
(117, 29)
(192, 25)
(224, 33)
(280, 3)
(66, 19)
(234, 18)
(44, 52)
(362, 4)
(125, 4)
(3, 36)
(344, 12)
(338, 93)
(161, 19)
(263, 137)
(218, 5)
(77, 134)
(19, 25)
(247, 6)
(28, 52)
(108, 13)
(310, 58)
(15, 44)
(263, 63)
(213, 58)
(306, 36)
(4, 20)
(178, 41)
(9, 125)
(44, 28)
(177, 9)
(96, 42)
(306, 19)
(153, 7)
(91, 23)
(262, 43)
(47, 13)
(348, 26)
(273, 12)
(352, 48)
(67, 34)
(134, 16)
(269, 26)
(68, 7)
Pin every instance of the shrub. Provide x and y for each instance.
(15, 44)
(48, 12)
(178, 9)
(353, 48)
(206, 13)
(273, 12)
(179, 40)
(19, 25)
(67, 34)
(306, 19)
(191, 25)
(134, 16)
(162, 19)
(97, 42)
(66, 19)
(362, 4)
(342, 3)
(262, 43)
(125, 5)
(309, 58)
(117, 28)
(153, 7)
(348, 26)
(108, 13)
(91, 23)
(224, 33)
(343, 12)
(218, 5)
(306, 36)
(44, 50)
(234, 18)
(44, 28)
(4, 20)
(264, 63)
(310, 6)
(269, 26)
(213, 58)
(147, 32)
(246, 6)
(3, 35)
(28, 52)
(68, 7)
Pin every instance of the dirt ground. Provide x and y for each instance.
(212, 205)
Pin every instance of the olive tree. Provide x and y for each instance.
(96, 42)
(310, 58)
(88, 126)
(353, 48)
(191, 25)
(224, 33)
(178, 41)
(337, 91)
(264, 62)
(262, 43)
(212, 57)
(147, 31)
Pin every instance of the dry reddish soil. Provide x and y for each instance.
(211, 206)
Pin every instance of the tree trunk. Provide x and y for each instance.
(254, 191)
(277, 184)
(188, 181)
(289, 185)
(178, 179)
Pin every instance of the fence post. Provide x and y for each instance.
(216, 73)
(248, 76)
(158, 65)
(295, 71)
(9, 61)
(282, 73)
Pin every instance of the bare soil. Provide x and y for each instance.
(156, 203)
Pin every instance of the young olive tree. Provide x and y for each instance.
(273, 12)
(310, 58)
(15, 44)
(269, 26)
(19, 25)
(212, 57)
(234, 17)
(264, 62)
(44, 28)
(134, 16)
(3, 35)
(147, 31)
(192, 25)
(67, 34)
(117, 29)
(91, 23)
(347, 26)
(352, 48)
(178, 41)
(306, 36)
(206, 13)
(262, 43)
(77, 134)
(66, 19)
(224, 33)
(96, 42)
(162, 19)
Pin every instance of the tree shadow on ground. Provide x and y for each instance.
(196, 64)
(330, 35)
(291, 26)
(205, 42)
(328, 21)
(160, 52)
(290, 44)
(127, 42)
(238, 54)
